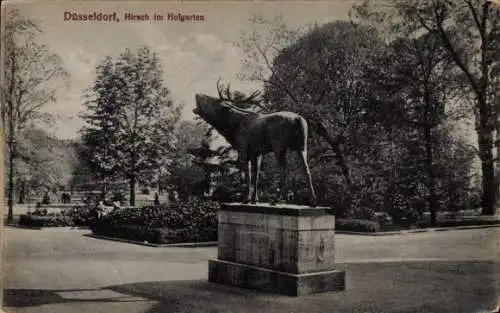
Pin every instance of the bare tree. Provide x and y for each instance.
(31, 77)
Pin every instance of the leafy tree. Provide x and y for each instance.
(185, 175)
(300, 69)
(130, 118)
(32, 77)
(424, 79)
(197, 169)
(100, 135)
(45, 163)
(469, 31)
(320, 74)
(454, 159)
(83, 174)
(373, 103)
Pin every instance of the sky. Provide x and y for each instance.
(194, 54)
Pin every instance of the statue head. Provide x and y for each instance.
(218, 110)
(210, 108)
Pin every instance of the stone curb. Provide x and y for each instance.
(21, 227)
(422, 230)
(51, 228)
(171, 245)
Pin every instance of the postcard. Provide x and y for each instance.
(250, 156)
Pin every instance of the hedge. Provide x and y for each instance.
(78, 216)
(357, 225)
(154, 235)
(51, 220)
(193, 220)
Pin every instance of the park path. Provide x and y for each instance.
(61, 270)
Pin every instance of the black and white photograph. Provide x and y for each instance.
(250, 156)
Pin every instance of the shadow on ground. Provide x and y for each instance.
(18, 298)
(456, 287)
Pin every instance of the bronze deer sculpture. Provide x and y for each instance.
(254, 134)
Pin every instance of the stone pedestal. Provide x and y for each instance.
(284, 249)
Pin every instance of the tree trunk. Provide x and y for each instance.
(335, 144)
(485, 139)
(496, 104)
(488, 172)
(389, 205)
(10, 190)
(12, 152)
(433, 200)
(429, 158)
(104, 188)
(487, 120)
(132, 190)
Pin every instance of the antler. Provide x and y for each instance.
(252, 97)
(227, 95)
(219, 89)
(227, 92)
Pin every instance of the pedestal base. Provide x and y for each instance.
(262, 279)
(283, 249)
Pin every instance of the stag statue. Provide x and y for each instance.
(254, 134)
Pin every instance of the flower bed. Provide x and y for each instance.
(194, 220)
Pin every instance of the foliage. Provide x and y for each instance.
(180, 214)
(185, 175)
(130, 119)
(152, 235)
(78, 216)
(83, 176)
(469, 33)
(45, 163)
(357, 225)
(32, 76)
(422, 80)
(83, 216)
(50, 220)
(377, 109)
(185, 221)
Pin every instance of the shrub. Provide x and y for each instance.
(78, 216)
(50, 220)
(193, 220)
(83, 216)
(357, 225)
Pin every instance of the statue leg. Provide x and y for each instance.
(249, 181)
(303, 158)
(281, 157)
(257, 160)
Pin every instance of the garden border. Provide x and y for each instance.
(410, 231)
(156, 245)
(340, 232)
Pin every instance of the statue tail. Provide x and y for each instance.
(301, 134)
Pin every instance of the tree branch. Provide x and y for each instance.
(457, 59)
(475, 16)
